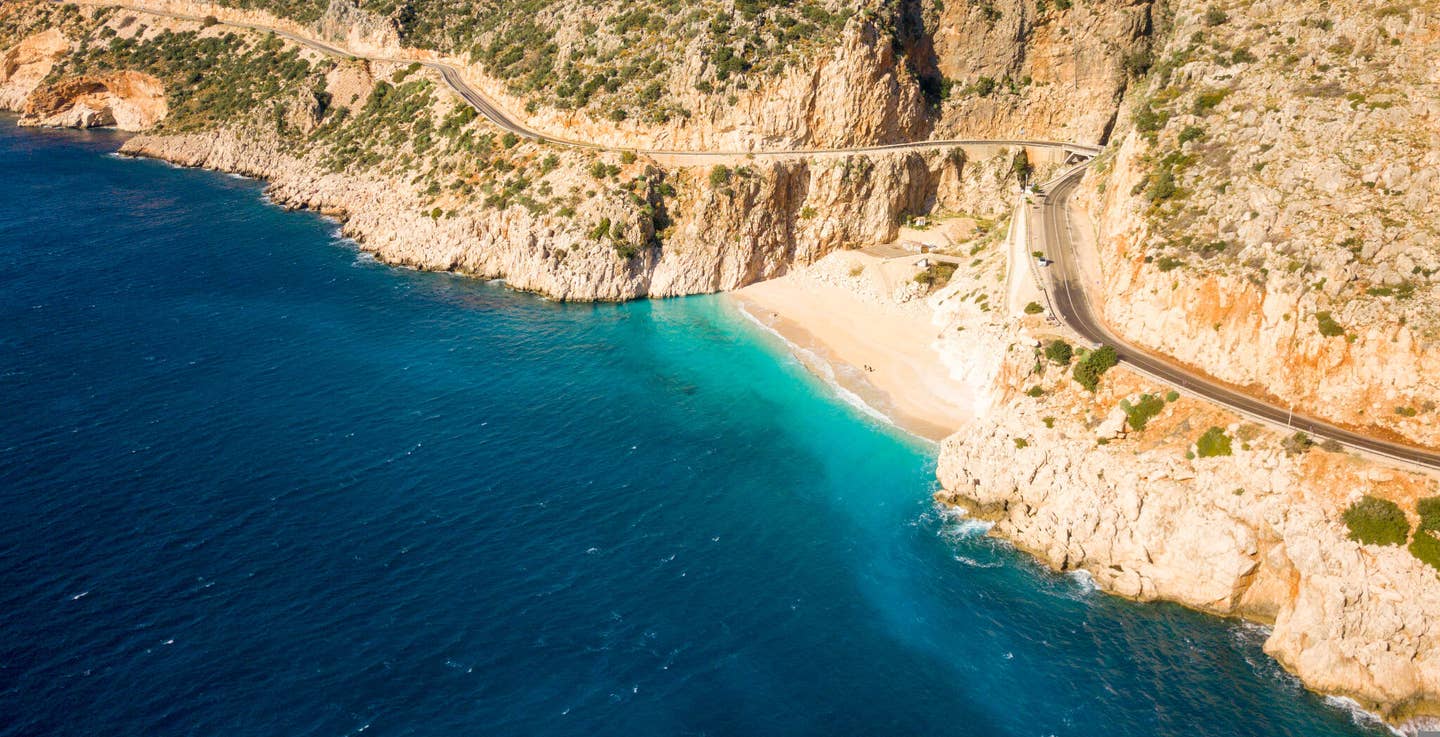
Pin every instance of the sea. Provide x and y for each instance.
(253, 482)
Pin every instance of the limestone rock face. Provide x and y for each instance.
(23, 67)
(860, 94)
(766, 218)
(127, 100)
(1305, 197)
(346, 23)
(1257, 535)
(1058, 74)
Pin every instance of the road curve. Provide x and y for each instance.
(1066, 290)
(503, 120)
(1069, 300)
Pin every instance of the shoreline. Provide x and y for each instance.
(877, 351)
(824, 342)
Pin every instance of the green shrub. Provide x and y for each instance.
(1376, 521)
(1213, 443)
(1036, 391)
(1169, 263)
(1191, 133)
(1022, 166)
(1215, 16)
(1429, 511)
(1021, 443)
(1208, 100)
(1059, 352)
(1172, 396)
(982, 87)
(600, 230)
(1162, 186)
(937, 274)
(1406, 411)
(719, 176)
(1144, 409)
(1297, 444)
(1150, 120)
(1427, 548)
(1088, 370)
(1034, 308)
(1328, 327)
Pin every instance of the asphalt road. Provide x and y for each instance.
(486, 107)
(1069, 299)
(1066, 289)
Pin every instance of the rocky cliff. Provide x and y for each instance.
(26, 64)
(719, 234)
(422, 181)
(1270, 212)
(841, 75)
(1255, 531)
(1036, 69)
(126, 100)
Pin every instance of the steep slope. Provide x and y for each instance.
(1270, 215)
(423, 181)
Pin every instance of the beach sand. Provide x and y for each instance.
(844, 326)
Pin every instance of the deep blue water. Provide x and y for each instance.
(253, 483)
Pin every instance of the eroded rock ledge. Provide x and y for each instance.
(1257, 535)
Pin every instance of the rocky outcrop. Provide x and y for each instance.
(1038, 70)
(859, 94)
(1280, 233)
(25, 66)
(1256, 535)
(754, 226)
(344, 22)
(126, 100)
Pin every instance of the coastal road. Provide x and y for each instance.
(454, 77)
(1065, 286)
(1070, 301)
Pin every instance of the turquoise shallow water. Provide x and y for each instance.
(256, 484)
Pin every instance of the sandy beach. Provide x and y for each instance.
(842, 319)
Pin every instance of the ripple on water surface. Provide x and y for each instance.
(256, 485)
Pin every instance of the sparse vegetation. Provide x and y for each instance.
(1297, 444)
(1059, 352)
(1142, 410)
(937, 274)
(1328, 326)
(1376, 521)
(1213, 443)
(1034, 308)
(1093, 365)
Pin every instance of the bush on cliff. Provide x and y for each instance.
(1328, 326)
(1213, 443)
(1093, 365)
(1138, 414)
(1059, 352)
(1429, 511)
(1426, 547)
(1376, 521)
(936, 275)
